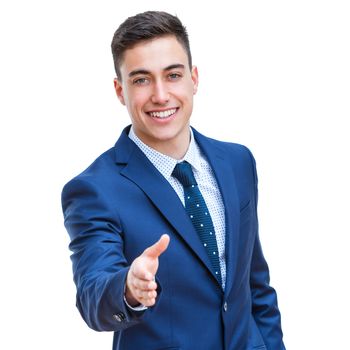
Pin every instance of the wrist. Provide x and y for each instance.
(129, 298)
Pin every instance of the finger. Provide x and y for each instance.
(158, 248)
(144, 296)
(144, 285)
(148, 302)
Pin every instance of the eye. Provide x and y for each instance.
(174, 76)
(140, 81)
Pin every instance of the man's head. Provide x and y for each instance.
(156, 80)
(147, 26)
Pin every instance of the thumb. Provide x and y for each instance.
(158, 248)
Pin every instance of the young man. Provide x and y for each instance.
(163, 226)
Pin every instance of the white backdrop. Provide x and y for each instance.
(274, 75)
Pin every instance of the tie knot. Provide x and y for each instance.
(183, 172)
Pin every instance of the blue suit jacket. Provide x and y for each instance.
(120, 205)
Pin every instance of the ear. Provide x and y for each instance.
(194, 75)
(118, 87)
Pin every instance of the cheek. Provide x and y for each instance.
(187, 97)
(139, 98)
(184, 93)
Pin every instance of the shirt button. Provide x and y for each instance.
(225, 306)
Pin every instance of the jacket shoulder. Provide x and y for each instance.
(232, 148)
(99, 166)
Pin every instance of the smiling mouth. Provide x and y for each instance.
(163, 114)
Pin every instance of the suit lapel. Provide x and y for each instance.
(141, 171)
(223, 169)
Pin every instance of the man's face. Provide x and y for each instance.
(157, 87)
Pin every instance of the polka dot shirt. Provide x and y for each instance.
(206, 183)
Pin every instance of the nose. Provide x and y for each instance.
(160, 93)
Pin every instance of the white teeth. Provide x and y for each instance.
(163, 114)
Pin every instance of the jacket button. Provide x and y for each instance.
(119, 317)
(225, 306)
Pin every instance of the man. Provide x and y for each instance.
(163, 226)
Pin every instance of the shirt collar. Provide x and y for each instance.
(165, 164)
(193, 155)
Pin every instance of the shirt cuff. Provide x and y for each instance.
(135, 308)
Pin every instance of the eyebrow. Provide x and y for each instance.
(146, 72)
(174, 66)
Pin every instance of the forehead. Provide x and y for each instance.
(154, 54)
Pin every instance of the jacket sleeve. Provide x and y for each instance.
(99, 265)
(264, 299)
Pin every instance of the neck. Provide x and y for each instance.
(175, 150)
(175, 147)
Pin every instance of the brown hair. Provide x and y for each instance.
(146, 26)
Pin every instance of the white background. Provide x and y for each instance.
(274, 75)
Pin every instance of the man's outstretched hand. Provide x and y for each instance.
(140, 282)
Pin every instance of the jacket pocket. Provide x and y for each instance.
(256, 341)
